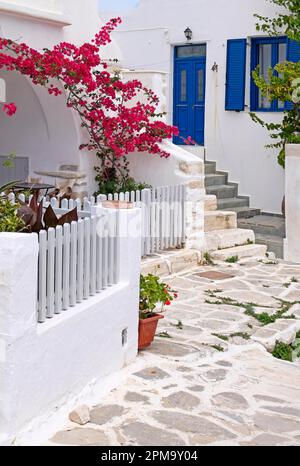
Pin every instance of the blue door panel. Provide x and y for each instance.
(189, 99)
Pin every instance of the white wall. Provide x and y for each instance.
(44, 366)
(147, 37)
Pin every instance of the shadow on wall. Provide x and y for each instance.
(43, 129)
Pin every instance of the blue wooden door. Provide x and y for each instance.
(189, 92)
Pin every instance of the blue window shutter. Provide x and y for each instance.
(293, 51)
(236, 74)
(293, 54)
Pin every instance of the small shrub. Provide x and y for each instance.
(9, 220)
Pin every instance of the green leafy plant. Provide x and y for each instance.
(283, 351)
(282, 82)
(232, 259)
(164, 335)
(10, 222)
(154, 293)
(287, 21)
(114, 183)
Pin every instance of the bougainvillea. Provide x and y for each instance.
(116, 120)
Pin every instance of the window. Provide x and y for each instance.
(266, 53)
(191, 51)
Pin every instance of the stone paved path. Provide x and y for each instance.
(190, 392)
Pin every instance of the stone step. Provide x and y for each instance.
(251, 250)
(210, 203)
(210, 167)
(222, 239)
(219, 220)
(265, 225)
(246, 212)
(169, 262)
(216, 179)
(233, 202)
(273, 243)
(223, 191)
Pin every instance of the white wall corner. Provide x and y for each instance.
(292, 203)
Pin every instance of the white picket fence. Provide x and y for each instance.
(163, 214)
(75, 262)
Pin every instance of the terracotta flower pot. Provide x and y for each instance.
(117, 205)
(147, 329)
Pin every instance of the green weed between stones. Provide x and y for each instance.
(287, 352)
(222, 337)
(218, 348)
(208, 260)
(243, 335)
(232, 259)
(263, 317)
(179, 325)
(164, 335)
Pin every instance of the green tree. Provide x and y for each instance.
(283, 81)
(287, 20)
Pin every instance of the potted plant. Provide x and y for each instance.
(154, 296)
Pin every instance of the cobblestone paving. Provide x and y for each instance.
(195, 388)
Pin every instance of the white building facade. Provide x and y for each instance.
(210, 92)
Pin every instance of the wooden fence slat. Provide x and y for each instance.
(50, 272)
(87, 258)
(73, 264)
(42, 277)
(66, 265)
(80, 260)
(58, 269)
(93, 256)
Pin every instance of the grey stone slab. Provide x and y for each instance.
(81, 437)
(142, 434)
(271, 399)
(216, 374)
(206, 430)
(136, 397)
(196, 388)
(276, 424)
(169, 348)
(284, 410)
(230, 400)
(152, 373)
(181, 400)
(268, 440)
(102, 414)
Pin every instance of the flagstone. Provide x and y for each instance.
(181, 400)
(143, 434)
(81, 437)
(102, 414)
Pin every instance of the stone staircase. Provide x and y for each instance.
(269, 229)
(217, 184)
(223, 237)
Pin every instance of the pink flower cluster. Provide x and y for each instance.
(114, 123)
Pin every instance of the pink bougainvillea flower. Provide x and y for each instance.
(9, 109)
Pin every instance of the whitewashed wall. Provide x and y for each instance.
(147, 37)
(44, 366)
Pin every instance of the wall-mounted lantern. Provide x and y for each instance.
(188, 33)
